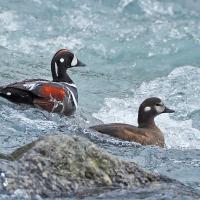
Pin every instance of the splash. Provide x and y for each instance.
(8, 21)
(180, 90)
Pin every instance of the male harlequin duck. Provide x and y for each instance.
(59, 95)
(147, 133)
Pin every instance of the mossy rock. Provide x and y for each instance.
(59, 165)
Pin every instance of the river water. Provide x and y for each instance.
(134, 49)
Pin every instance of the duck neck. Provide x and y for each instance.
(145, 121)
(59, 73)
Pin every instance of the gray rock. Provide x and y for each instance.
(59, 165)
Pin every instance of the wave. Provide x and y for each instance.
(180, 90)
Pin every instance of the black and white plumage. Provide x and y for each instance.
(59, 95)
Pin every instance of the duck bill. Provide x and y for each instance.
(80, 64)
(167, 110)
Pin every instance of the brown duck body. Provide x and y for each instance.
(147, 133)
(144, 136)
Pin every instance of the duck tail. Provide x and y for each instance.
(1, 88)
(2, 91)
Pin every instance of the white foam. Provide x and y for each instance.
(152, 8)
(180, 91)
(123, 4)
(26, 44)
(8, 113)
(21, 193)
(37, 1)
(8, 21)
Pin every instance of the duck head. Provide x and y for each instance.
(149, 109)
(61, 61)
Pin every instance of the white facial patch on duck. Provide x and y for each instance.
(8, 93)
(56, 69)
(62, 60)
(160, 109)
(74, 61)
(147, 109)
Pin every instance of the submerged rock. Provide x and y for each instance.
(59, 165)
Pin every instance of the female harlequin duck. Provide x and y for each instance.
(147, 133)
(59, 95)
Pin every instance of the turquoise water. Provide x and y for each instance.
(133, 49)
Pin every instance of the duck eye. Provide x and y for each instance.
(158, 104)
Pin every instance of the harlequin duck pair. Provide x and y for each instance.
(59, 95)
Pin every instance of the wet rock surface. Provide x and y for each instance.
(60, 166)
